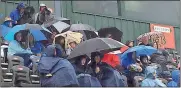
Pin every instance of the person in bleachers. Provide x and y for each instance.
(17, 13)
(151, 79)
(17, 48)
(60, 44)
(8, 22)
(56, 71)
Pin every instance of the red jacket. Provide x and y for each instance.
(111, 59)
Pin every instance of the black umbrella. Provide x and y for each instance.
(115, 32)
(95, 44)
(87, 30)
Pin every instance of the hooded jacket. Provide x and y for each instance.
(61, 72)
(176, 79)
(149, 80)
(15, 14)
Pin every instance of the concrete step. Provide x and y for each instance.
(34, 76)
(4, 63)
(9, 74)
(35, 82)
(7, 80)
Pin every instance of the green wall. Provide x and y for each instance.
(131, 28)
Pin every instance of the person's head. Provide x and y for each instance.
(8, 22)
(60, 40)
(21, 7)
(96, 57)
(83, 60)
(72, 43)
(130, 43)
(18, 37)
(42, 6)
(144, 59)
(50, 51)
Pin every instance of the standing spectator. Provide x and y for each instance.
(42, 6)
(17, 13)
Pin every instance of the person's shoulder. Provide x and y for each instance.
(14, 11)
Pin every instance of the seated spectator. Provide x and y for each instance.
(72, 44)
(16, 48)
(55, 71)
(81, 65)
(8, 22)
(36, 46)
(60, 45)
(175, 79)
(151, 79)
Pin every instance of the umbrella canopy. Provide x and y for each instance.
(4, 30)
(126, 58)
(34, 30)
(145, 38)
(115, 32)
(87, 30)
(95, 44)
(75, 36)
(60, 26)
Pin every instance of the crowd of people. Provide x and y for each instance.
(104, 69)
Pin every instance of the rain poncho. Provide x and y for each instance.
(110, 77)
(55, 71)
(149, 80)
(15, 47)
(86, 80)
(175, 79)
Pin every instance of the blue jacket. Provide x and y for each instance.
(15, 15)
(176, 79)
(149, 81)
(37, 48)
(15, 47)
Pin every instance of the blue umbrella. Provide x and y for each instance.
(4, 30)
(34, 30)
(126, 58)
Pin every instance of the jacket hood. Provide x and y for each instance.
(176, 76)
(49, 51)
(150, 71)
(21, 5)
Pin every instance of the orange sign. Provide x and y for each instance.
(166, 41)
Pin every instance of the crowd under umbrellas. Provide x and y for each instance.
(64, 55)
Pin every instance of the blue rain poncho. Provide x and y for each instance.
(175, 79)
(61, 72)
(149, 80)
